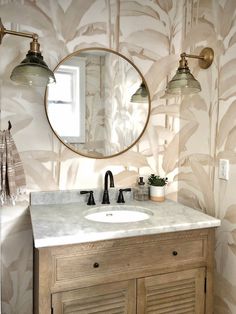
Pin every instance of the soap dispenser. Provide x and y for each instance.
(141, 192)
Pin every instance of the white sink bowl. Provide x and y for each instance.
(118, 214)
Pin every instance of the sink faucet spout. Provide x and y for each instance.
(108, 174)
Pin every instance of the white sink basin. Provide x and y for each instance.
(118, 214)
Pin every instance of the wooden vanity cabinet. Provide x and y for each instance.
(177, 292)
(109, 298)
(161, 274)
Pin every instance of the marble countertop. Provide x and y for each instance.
(61, 224)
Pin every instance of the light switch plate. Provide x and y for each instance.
(224, 169)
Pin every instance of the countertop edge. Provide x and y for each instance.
(71, 240)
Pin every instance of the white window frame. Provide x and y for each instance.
(76, 67)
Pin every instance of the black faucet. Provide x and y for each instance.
(105, 199)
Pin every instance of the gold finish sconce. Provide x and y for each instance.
(184, 83)
(32, 70)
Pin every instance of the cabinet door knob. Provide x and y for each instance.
(175, 253)
(96, 265)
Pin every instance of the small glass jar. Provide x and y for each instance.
(141, 192)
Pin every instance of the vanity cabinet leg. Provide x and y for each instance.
(210, 272)
(42, 276)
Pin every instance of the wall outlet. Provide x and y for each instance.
(224, 169)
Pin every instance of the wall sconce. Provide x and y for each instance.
(184, 83)
(141, 94)
(32, 70)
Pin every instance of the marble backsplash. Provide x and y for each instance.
(74, 196)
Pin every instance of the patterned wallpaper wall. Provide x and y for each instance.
(210, 135)
(184, 138)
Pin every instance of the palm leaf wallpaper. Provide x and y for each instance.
(185, 136)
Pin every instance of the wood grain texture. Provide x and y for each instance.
(167, 268)
(128, 259)
(114, 298)
(178, 292)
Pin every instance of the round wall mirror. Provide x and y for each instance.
(100, 104)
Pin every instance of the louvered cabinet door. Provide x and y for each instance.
(114, 298)
(173, 293)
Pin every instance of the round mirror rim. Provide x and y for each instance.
(148, 114)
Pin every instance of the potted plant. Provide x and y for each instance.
(157, 187)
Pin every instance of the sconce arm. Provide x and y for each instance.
(34, 45)
(205, 57)
(184, 55)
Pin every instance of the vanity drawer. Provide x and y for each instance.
(129, 259)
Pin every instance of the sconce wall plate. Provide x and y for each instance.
(207, 57)
(1, 31)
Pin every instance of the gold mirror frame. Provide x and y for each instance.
(70, 146)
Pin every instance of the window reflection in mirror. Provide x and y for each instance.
(66, 101)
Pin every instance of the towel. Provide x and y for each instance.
(12, 176)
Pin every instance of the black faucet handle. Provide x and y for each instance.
(121, 196)
(90, 199)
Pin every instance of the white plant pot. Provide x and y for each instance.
(157, 193)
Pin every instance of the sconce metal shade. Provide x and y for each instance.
(141, 94)
(183, 83)
(33, 71)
